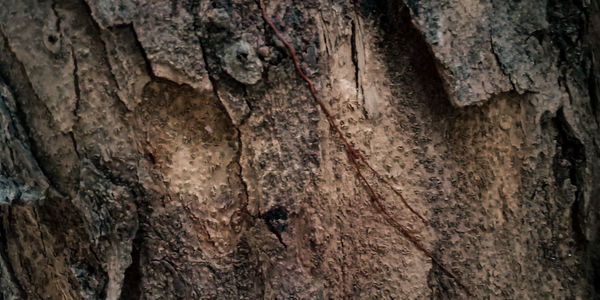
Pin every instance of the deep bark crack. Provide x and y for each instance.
(77, 101)
(132, 279)
(143, 53)
(572, 150)
(76, 84)
(58, 17)
(353, 42)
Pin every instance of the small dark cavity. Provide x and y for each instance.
(150, 158)
(276, 217)
(52, 39)
(276, 221)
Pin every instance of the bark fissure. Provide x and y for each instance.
(242, 178)
(132, 281)
(572, 150)
(74, 141)
(143, 53)
(76, 85)
(593, 88)
(58, 17)
(354, 45)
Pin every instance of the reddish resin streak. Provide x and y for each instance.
(357, 158)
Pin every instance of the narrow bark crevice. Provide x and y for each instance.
(132, 282)
(58, 18)
(74, 141)
(501, 65)
(353, 46)
(143, 53)
(76, 84)
(595, 271)
(571, 150)
(594, 87)
(243, 181)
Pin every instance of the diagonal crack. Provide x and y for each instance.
(98, 36)
(501, 65)
(23, 82)
(143, 53)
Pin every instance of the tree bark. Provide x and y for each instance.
(168, 149)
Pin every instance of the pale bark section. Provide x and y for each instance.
(167, 149)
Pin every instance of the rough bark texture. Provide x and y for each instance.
(167, 149)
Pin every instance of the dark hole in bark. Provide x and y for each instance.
(276, 221)
(277, 218)
(133, 274)
(52, 39)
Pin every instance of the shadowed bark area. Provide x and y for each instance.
(168, 149)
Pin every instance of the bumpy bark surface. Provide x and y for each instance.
(165, 149)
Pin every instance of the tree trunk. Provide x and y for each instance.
(165, 149)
